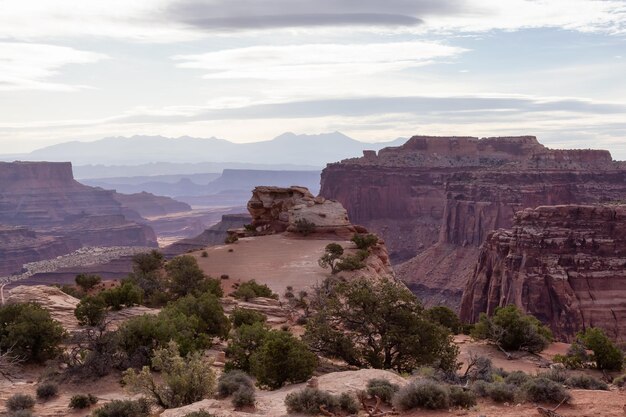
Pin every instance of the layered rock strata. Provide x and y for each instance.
(566, 265)
(434, 200)
(62, 213)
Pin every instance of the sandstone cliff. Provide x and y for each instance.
(62, 213)
(564, 264)
(434, 200)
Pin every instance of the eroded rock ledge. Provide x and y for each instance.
(564, 264)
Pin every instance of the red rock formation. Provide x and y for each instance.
(434, 200)
(564, 264)
(45, 198)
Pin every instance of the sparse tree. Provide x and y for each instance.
(330, 258)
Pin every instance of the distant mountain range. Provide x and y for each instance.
(288, 149)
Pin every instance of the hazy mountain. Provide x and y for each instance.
(288, 148)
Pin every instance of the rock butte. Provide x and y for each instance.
(563, 264)
(434, 200)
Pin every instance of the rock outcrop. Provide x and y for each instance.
(148, 205)
(60, 305)
(62, 213)
(278, 209)
(566, 265)
(434, 200)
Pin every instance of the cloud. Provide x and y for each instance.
(29, 66)
(315, 60)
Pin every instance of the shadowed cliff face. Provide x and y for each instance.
(60, 213)
(563, 264)
(435, 200)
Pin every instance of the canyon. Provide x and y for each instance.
(563, 264)
(434, 200)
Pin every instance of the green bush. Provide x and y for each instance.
(583, 381)
(182, 381)
(243, 397)
(423, 394)
(350, 263)
(207, 309)
(331, 257)
(382, 388)
(241, 316)
(29, 332)
(205, 254)
(480, 388)
(501, 392)
(244, 341)
(124, 408)
(82, 401)
(87, 281)
(481, 368)
(230, 239)
(71, 290)
(517, 378)
(20, 402)
(461, 398)
(231, 381)
(445, 317)
(544, 390)
(555, 374)
(185, 277)
(282, 358)
(126, 295)
(512, 330)
(47, 390)
(90, 311)
(605, 354)
(309, 401)
(364, 242)
(304, 227)
(251, 289)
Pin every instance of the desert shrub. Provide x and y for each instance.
(47, 390)
(20, 402)
(148, 262)
(350, 263)
(185, 277)
(382, 388)
(512, 330)
(182, 380)
(87, 281)
(517, 378)
(620, 381)
(501, 392)
(605, 354)
(244, 341)
(423, 394)
(201, 413)
(230, 239)
(82, 401)
(243, 397)
(331, 257)
(231, 381)
(445, 317)
(555, 374)
(252, 289)
(126, 295)
(480, 388)
(208, 312)
(90, 311)
(71, 290)
(224, 276)
(583, 381)
(304, 227)
(480, 368)
(461, 398)
(205, 254)
(282, 358)
(376, 324)
(124, 408)
(309, 401)
(29, 332)
(241, 316)
(365, 241)
(542, 389)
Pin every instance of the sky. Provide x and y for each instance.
(249, 70)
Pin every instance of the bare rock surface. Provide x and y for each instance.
(563, 264)
(60, 305)
(434, 200)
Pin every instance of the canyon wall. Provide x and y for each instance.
(434, 200)
(566, 265)
(55, 214)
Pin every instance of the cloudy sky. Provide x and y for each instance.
(248, 70)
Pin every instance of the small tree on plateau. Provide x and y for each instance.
(331, 257)
(377, 324)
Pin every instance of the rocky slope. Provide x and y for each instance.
(148, 205)
(62, 213)
(563, 264)
(435, 199)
